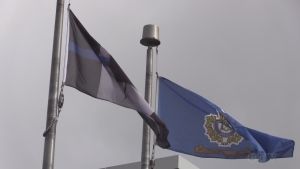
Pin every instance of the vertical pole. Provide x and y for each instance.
(150, 39)
(49, 145)
(145, 159)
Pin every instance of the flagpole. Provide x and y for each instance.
(150, 39)
(49, 145)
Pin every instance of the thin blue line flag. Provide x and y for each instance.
(200, 128)
(93, 71)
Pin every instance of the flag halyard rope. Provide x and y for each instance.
(60, 103)
(152, 158)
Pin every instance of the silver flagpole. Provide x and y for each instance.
(150, 39)
(49, 145)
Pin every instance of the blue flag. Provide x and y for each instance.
(199, 127)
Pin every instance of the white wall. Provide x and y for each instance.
(172, 162)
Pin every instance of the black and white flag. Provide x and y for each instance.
(92, 70)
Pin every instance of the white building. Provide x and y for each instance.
(172, 162)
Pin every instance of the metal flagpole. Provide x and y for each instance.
(150, 39)
(49, 145)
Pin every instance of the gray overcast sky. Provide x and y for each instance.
(242, 55)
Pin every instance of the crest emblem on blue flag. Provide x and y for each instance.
(199, 127)
(219, 131)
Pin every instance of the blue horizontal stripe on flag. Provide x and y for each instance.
(88, 53)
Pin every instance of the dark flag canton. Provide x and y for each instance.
(199, 127)
(92, 70)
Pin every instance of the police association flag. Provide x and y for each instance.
(199, 127)
(93, 71)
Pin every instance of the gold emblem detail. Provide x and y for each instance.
(219, 131)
